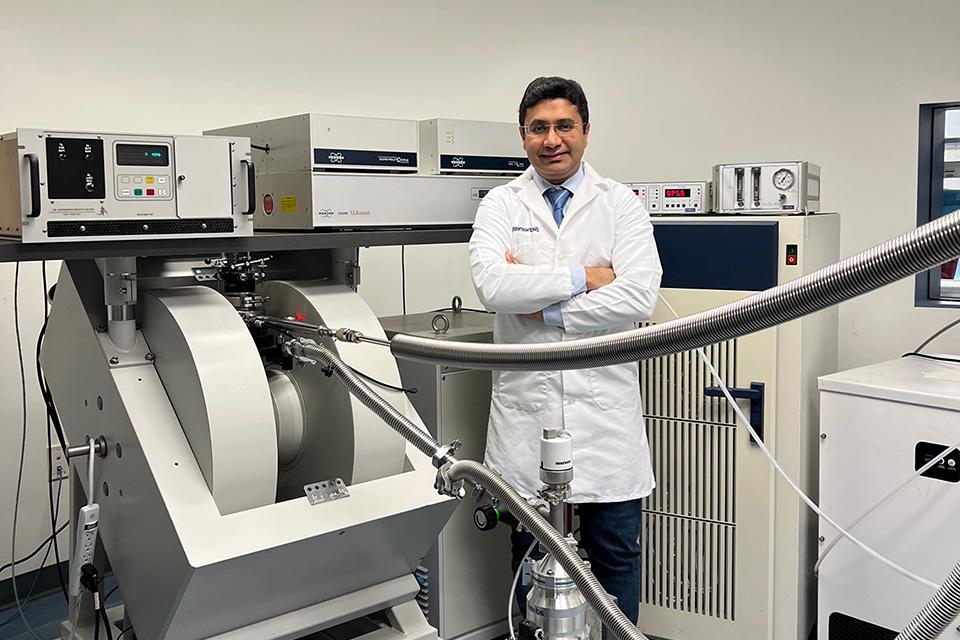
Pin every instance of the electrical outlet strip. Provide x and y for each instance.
(87, 524)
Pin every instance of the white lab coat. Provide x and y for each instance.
(605, 225)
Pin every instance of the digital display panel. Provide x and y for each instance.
(676, 193)
(143, 155)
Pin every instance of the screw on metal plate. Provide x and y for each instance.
(326, 490)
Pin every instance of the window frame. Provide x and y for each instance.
(930, 164)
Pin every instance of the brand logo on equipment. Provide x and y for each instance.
(393, 159)
(324, 213)
(458, 162)
(268, 204)
(335, 157)
(517, 163)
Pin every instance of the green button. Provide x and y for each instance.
(138, 192)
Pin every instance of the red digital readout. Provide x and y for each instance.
(676, 193)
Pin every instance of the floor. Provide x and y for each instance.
(44, 614)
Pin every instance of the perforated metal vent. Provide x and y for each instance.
(93, 228)
(844, 627)
(689, 521)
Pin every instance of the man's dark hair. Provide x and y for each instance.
(551, 88)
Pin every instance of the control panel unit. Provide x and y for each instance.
(766, 187)
(60, 186)
(673, 198)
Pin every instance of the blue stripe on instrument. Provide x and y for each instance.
(350, 157)
(515, 164)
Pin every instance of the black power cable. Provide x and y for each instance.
(929, 357)
(23, 451)
(37, 550)
(36, 573)
(411, 390)
(45, 392)
(936, 335)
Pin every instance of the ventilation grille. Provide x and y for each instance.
(672, 386)
(688, 565)
(843, 627)
(695, 467)
(689, 521)
(94, 228)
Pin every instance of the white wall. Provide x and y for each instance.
(674, 87)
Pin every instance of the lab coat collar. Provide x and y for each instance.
(571, 184)
(532, 197)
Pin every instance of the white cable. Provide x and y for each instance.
(513, 589)
(91, 457)
(804, 497)
(23, 451)
(76, 616)
(922, 470)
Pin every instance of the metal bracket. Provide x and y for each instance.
(205, 274)
(754, 394)
(326, 490)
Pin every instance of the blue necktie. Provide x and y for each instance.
(558, 197)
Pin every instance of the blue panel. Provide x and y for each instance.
(725, 255)
(514, 164)
(337, 157)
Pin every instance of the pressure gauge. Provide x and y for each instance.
(783, 179)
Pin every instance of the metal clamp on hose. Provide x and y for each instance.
(446, 453)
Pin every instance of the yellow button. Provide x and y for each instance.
(148, 180)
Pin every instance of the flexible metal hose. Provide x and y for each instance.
(940, 611)
(355, 385)
(492, 482)
(920, 249)
(588, 584)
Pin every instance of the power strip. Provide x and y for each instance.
(87, 525)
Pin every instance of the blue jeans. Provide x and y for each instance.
(609, 532)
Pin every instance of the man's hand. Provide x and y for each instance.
(598, 277)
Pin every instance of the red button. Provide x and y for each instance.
(150, 192)
(791, 259)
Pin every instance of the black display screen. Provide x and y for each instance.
(143, 155)
(676, 193)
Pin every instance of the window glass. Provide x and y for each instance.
(949, 274)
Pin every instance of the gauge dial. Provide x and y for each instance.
(783, 179)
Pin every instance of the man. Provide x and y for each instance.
(561, 253)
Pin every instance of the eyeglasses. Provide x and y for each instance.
(540, 128)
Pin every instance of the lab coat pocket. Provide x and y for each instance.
(521, 390)
(616, 387)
